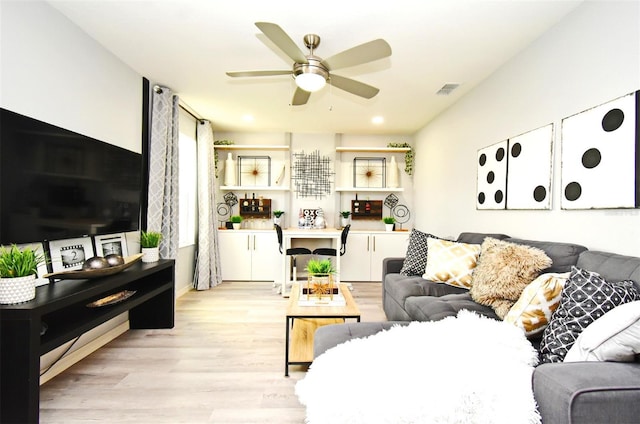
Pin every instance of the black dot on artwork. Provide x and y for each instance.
(482, 160)
(516, 149)
(573, 191)
(612, 120)
(498, 196)
(539, 194)
(481, 198)
(499, 154)
(491, 177)
(591, 158)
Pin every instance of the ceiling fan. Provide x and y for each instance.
(311, 72)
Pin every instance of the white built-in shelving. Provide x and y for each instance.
(373, 149)
(250, 147)
(371, 189)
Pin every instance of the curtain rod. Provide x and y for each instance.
(190, 111)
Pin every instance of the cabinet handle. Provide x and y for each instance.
(254, 242)
(374, 243)
(368, 239)
(248, 242)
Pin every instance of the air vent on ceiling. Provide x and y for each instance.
(447, 89)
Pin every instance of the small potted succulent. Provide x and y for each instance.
(344, 218)
(320, 280)
(149, 246)
(18, 272)
(236, 220)
(276, 217)
(389, 223)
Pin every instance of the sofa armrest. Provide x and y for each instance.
(391, 266)
(588, 392)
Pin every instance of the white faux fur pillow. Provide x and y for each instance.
(615, 336)
(503, 271)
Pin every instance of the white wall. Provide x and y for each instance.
(590, 57)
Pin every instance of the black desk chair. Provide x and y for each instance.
(293, 252)
(329, 251)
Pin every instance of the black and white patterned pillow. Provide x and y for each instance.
(415, 260)
(585, 297)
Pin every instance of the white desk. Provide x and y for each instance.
(291, 234)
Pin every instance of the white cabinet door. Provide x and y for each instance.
(365, 252)
(235, 255)
(265, 257)
(355, 264)
(385, 246)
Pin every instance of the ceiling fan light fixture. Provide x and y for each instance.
(310, 76)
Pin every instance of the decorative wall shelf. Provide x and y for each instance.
(254, 188)
(373, 149)
(249, 147)
(371, 190)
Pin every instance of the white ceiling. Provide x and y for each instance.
(188, 45)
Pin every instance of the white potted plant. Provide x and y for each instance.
(149, 246)
(236, 220)
(276, 217)
(320, 280)
(18, 272)
(389, 222)
(344, 218)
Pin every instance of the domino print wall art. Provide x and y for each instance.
(516, 173)
(601, 156)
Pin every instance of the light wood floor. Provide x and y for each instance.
(222, 363)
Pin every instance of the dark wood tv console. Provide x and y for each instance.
(62, 306)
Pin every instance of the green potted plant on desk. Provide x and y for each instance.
(18, 272)
(276, 217)
(149, 245)
(320, 280)
(389, 222)
(236, 220)
(344, 218)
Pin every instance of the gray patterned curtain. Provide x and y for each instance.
(162, 213)
(208, 272)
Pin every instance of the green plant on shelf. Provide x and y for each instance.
(278, 214)
(150, 239)
(345, 214)
(389, 220)
(235, 219)
(408, 156)
(16, 262)
(215, 152)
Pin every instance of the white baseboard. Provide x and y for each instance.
(83, 351)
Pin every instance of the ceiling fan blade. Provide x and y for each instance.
(300, 97)
(282, 40)
(367, 52)
(352, 86)
(258, 73)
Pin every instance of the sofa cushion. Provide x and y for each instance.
(586, 297)
(429, 308)
(415, 260)
(451, 262)
(503, 271)
(613, 337)
(532, 312)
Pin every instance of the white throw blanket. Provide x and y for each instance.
(465, 369)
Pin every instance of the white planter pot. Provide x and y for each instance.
(277, 220)
(17, 290)
(344, 221)
(236, 225)
(150, 254)
(388, 227)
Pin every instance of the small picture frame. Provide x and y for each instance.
(70, 254)
(254, 171)
(38, 248)
(111, 244)
(369, 172)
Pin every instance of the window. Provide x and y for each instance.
(187, 180)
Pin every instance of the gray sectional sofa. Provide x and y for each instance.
(571, 393)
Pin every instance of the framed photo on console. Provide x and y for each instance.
(70, 254)
(111, 244)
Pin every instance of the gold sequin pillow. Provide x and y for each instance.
(451, 262)
(532, 312)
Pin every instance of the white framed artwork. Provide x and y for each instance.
(492, 176)
(70, 254)
(111, 244)
(600, 156)
(529, 169)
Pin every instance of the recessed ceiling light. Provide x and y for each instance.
(247, 118)
(377, 120)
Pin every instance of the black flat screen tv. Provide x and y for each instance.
(58, 184)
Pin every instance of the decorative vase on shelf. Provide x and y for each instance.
(17, 290)
(393, 174)
(150, 254)
(230, 171)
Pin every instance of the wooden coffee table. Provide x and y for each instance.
(302, 322)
